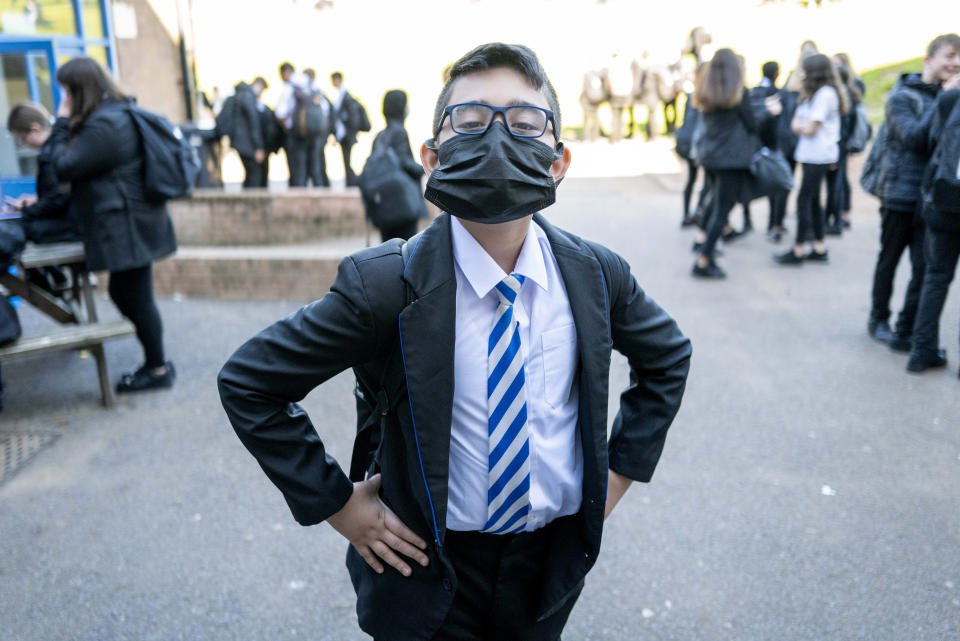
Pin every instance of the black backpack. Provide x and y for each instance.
(944, 167)
(170, 163)
(391, 197)
(309, 118)
(359, 120)
(271, 130)
(227, 118)
(378, 396)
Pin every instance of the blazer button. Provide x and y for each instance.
(447, 585)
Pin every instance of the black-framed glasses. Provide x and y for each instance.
(474, 119)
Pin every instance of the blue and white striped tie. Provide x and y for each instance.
(508, 489)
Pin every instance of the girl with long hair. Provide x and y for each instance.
(97, 149)
(816, 122)
(728, 140)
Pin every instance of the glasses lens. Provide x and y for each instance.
(527, 122)
(470, 119)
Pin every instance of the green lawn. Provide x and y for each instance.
(880, 81)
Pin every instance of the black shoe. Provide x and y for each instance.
(921, 361)
(698, 246)
(731, 235)
(817, 257)
(901, 342)
(788, 258)
(834, 230)
(144, 379)
(688, 221)
(846, 224)
(710, 271)
(880, 330)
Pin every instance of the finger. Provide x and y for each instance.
(396, 526)
(380, 549)
(370, 558)
(405, 548)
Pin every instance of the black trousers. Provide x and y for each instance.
(131, 290)
(254, 173)
(498, 589)
(345, 148)
(296, 149)
(809, 209)
(837, 186)
(728, 185)
(317, 162)
(898, 231)
(942, 251)
(692, 170)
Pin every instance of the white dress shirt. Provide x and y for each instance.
(548, 341)
(339, 129)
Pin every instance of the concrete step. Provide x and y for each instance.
(295, 272)
(265, 217)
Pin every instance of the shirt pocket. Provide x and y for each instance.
(559, 351)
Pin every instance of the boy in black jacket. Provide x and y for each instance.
(494, 472)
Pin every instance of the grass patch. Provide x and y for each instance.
(880, 81)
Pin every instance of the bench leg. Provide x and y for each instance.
(106, 389)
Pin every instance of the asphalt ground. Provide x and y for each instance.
(809, 489)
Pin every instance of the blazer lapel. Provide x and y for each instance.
(586, 289)
(427, 334)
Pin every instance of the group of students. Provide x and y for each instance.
(90, 187)
(301, 124)
(812, 121)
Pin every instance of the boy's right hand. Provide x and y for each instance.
(375, 531)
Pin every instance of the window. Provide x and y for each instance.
(30, 17)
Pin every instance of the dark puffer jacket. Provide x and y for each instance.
(103, 162)
(247, 134)
(908, 114)
(728, 137)
(946, 112)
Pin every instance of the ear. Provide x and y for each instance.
(429, 159)
(559, 167)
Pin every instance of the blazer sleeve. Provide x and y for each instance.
(249, 105)
(908, 125)
(91, 153)
(53, 198)
(659, 358)
(265, 379)
(401, 145)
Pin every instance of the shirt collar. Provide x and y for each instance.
(483, 273)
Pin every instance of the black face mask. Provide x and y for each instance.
(493, 178)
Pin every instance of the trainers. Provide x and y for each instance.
(817, 257)
(145, 379)
(834, 230)
(921, 361)
(712, 270)
(880, 330)
(788, 258)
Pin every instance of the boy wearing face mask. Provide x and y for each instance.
(493, 472)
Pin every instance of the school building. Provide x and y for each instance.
(147, 44)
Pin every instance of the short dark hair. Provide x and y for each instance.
(492, 56)
(286, 66)
(261, 80)
(771, 70)
(336, 75)
(26, 114)
(394, 103)
(309, 72)
(945, 40)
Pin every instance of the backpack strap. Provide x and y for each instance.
(386, 397)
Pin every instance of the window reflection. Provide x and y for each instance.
(27, 17)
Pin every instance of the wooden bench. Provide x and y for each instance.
(90, 336)
(74, 307)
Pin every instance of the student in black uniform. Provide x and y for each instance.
(495, 473)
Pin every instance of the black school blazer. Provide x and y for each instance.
(356, 325)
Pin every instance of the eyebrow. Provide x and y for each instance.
(516, 102)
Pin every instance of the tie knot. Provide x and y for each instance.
(508, 288)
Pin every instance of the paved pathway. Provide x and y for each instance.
(809, 489)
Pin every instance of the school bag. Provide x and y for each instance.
(391, 196)
(272, 131)
(684, 135)
(944, 167)
(226, 121)
(860, 131)
(379, 395)
(170, 163)
(358, 115)
(309, 118)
